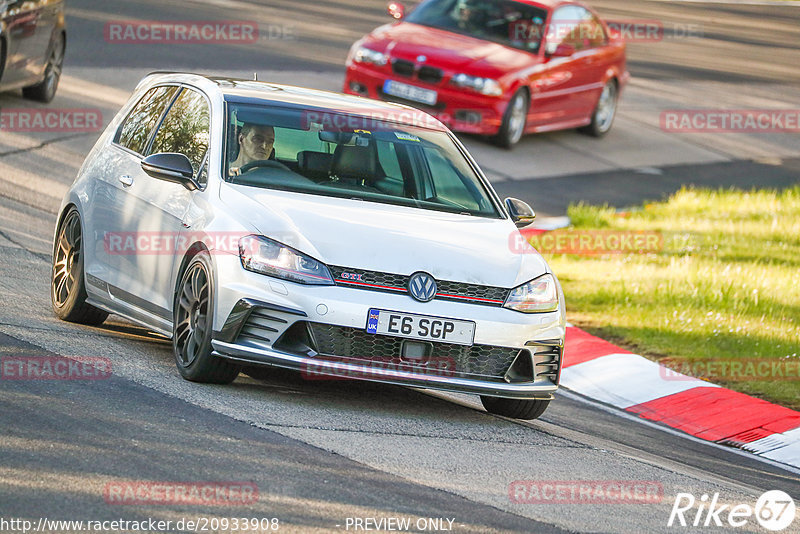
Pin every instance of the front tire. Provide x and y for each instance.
(604, 112)
(192, 326)
(515, 408)
(45, 91)
(515, 119)
(67, 287)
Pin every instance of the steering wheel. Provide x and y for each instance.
(261, 163)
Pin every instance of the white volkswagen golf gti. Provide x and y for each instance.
(263, 226)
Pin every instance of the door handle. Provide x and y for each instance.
(126, 180)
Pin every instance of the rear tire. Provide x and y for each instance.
(515, 119)
(45, 91)
(515, 408)
(67, 287)
(193, 324)
(604, 112)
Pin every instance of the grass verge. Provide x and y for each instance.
(719, 299)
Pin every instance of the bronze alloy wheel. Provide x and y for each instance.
(193, 324)
(67, 290)
(192, 314)
(67, 255)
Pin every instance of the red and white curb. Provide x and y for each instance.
(604, 372)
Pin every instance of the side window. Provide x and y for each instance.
(597, 34)
(567, 27)
(288, 142)
(135, 131)
(387, 157)
(448, 183)
(185, 128)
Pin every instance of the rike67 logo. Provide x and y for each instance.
(774, 510)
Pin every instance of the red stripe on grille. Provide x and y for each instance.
(370, 285)
(468, 298)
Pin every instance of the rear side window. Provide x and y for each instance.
(569, 27)
(135, 131)
(185, 129)
(597, 34)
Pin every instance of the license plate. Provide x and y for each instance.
(410, 92)
(423, 327)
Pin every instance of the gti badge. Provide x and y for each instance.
(422, 287)
(353, 276)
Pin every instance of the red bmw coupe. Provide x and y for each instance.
(500, 68)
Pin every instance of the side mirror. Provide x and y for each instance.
(396, 10)
(521, 212)
(171, 167)
(563, 50)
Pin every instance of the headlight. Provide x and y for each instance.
(486, 86)
(367, 55)
(263, 255)
(537, 296)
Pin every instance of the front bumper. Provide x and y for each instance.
(542, 389)
(258, 318)
(460, 110)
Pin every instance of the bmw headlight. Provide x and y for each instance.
(537, 296)
(263, 255)
(367, 55)
(486, 86)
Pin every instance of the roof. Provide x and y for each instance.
(255, 92)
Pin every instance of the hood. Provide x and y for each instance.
(449, 51)
(382, 237)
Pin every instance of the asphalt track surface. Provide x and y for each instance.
(321, 452)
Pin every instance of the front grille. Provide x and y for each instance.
(398, 283)
(482, 361)
(430, 74)
(402, 67)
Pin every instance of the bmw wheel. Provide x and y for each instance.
(604, 113)
(67, 289)
(514, 120)
(515, 408)
(192, 326)
(45, 91)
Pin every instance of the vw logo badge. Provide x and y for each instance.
(422, 59)
(422, 287)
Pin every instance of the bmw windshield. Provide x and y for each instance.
(503, 21)
(351, 156)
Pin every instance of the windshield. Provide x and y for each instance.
(502, 21)
(351, 156)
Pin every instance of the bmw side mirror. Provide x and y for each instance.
(396, 10)
(171, 167)
(521, 212)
